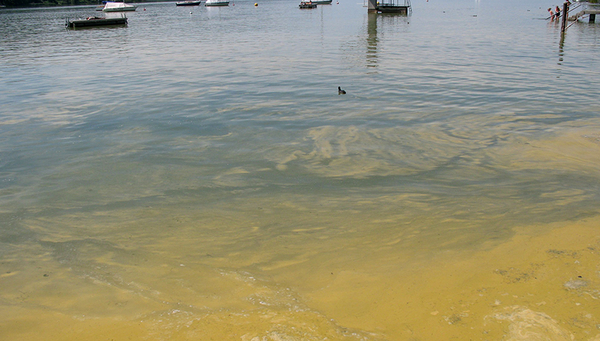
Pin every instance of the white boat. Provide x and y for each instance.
(188, 3)
(216, 3)
(112, 6)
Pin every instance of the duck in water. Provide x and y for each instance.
(341, 92)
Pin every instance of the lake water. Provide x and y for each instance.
(196, 176)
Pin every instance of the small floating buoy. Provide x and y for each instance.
(144, 9)
(256, 4)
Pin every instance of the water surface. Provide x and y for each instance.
(195, 175)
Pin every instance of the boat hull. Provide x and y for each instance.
(215, 4)
(123, 9)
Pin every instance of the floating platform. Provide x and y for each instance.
(392, 9)
(95, 21)
(401, 7)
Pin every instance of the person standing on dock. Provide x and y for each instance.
(557, 14)
(551, 17)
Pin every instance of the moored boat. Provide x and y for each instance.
(95, 21)
(112, 6)
(216, 3)
(188, 3)
(322, 2)
(307, 5)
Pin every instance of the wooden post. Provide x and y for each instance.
(565, 16)
(372, 7)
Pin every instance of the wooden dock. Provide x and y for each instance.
(385, 8)
(591, 12)
(583, 9)
(401, 7)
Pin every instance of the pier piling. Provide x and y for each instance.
(372, 6)
(565, 15)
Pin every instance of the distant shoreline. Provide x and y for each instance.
(19, 4)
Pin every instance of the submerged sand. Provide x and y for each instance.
(541, 284)
(452, 255)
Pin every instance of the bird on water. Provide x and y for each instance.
(341, 92)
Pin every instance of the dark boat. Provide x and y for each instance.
(95, 21)
(188, 3)
(307, 4)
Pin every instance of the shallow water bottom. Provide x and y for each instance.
(542, 283)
